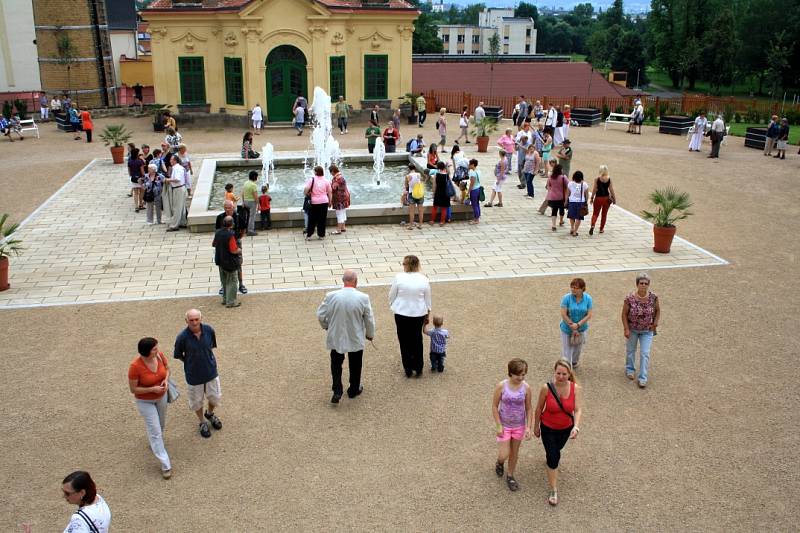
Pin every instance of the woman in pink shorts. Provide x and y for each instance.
(513, 416)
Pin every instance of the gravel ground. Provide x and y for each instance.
(708, 446)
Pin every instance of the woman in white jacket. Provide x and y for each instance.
(410, 301)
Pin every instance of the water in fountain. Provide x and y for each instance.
(267, 163)
(326, 148)
(378, 155)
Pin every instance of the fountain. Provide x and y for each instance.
(378, 155)
(326, 148)
(267, 163)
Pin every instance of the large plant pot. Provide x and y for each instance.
(118, 154)
(483, 143)
(662, 238)
(4, 274)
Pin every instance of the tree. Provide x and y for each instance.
(67, 55)
(426, 33)
(494, 51)
(719, 53)
(614, 15)
(525, 10)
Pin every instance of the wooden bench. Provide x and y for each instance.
(617, 118)
(29, 125)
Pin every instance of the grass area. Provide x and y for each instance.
(739, 130)
(577, 58)
(742, 90)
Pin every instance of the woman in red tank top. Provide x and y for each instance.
(556, 423)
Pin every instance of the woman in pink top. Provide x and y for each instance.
(319, 189)
(557, 194)
(506, 143)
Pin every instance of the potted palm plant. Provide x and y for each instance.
(8, 246)
(408, 107)
(116, 136)
(483, 128)
(671, 205)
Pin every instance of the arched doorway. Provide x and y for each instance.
(286, 79)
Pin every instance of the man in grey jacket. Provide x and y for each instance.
(347, 316)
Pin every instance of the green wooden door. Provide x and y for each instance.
(286, 80)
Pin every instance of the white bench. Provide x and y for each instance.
(29, 125)
(617, 118)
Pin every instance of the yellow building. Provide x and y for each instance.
(233, 54)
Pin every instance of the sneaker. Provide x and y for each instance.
(221, 291)
(234, 304)
(166, 474)
(642, 384)
(204, 431)
(242, 289)
(216, 423)
(512, 484)
(336, 397)
(630, 376)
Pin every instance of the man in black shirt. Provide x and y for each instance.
(239, 228)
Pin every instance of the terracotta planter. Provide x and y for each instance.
(4, 274)
(483, 143)
(662, 238)
(118, 154)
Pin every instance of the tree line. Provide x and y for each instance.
(720, 42)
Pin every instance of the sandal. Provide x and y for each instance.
(336, 233)
(498, 469)
(553, 498)
(512, 484)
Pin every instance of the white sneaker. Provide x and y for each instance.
(149, 223)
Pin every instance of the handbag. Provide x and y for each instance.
(481, 195)
(576, 338)
(584, 205)
(307, 198)
(172, 388)
(558, 400)
(449, 188)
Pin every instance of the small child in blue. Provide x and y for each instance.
(439, 338)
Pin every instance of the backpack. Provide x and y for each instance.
(408, 145)
(418, 191)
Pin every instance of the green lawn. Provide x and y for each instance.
(739, 130)
(742, 89)
(577, 58)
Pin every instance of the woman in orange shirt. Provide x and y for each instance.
(86, 122)
(148, 377)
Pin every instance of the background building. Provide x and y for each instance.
(74, 48)
(232, 54)
(19, 69)
(517, 35)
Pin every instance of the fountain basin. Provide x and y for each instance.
(287, 201)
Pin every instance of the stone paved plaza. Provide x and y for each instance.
(109, 254)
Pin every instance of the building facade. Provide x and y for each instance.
(19, 68)
(517, 35)
(233, 54)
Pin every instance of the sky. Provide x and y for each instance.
(633, 6)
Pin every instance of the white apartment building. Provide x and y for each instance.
(517, 35)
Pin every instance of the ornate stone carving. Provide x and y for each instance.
(251, 34)
(317, 30)
(158, 33)
(376, 39)
(230, 39)
(338, 39)
(189, 39)
(405, 31)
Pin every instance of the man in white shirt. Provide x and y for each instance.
(257, 117)
(717, 134)
(522, 141)
(346, 314)
(480, 113)
(550, 120)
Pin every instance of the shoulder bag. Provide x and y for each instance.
(307, 198)
(92, 527)
(558, 400)
(172, 388)
(584, 204)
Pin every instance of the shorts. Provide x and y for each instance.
(498, 185)
(415, 201)
(257, 124)
(517, 433)
(782, 145)
(341, 216)
(197, 393)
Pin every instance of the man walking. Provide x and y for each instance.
(194, 346)
(347, 316)
(480, 113)
(717, 134)
(422, 112)
(342, 114)
(550, 120)
(227, 257)
(239, 227)
(522, 141)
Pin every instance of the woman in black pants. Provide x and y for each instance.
(410, 300)
(557, 417)
(319, 189)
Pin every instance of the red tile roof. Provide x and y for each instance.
(333, 4)
(561, 79)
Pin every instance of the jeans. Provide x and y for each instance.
(474, 200)
(342, 122)
(354, 360)
(529, 183)
(251, 206)
(266, 220)
(230, 284)
(422, 116)
(437, 361)
(154, 413)
(520, 165)
(409, 335)
(645, 340)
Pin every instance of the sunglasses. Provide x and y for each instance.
(644, 283)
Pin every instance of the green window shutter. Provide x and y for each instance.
(193, 81)
(337, 86)
(234, 84)
(376, 77)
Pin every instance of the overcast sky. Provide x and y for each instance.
(630, 5)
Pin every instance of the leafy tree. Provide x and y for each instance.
(526, 10)
(426, 33)
(719, 53)
(469, 15)
(67, 55)
(494, 51)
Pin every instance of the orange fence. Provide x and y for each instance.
(453, 101)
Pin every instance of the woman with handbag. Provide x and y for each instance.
(576, 312)
(341, 198)
(148, 379)
(318, 190)
(578, 202)
(557, 418)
